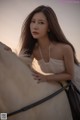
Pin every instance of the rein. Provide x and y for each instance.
(38, 102)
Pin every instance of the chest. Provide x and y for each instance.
(46, 54)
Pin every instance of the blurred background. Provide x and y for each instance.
(13, 13)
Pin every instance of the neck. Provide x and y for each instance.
(44, 43)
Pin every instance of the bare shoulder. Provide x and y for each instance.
(67, 48)
(67, 52)
(64, 46)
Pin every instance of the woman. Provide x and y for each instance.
(43, 39)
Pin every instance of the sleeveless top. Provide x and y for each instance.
(57, 66)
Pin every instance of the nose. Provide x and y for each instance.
(35, 26)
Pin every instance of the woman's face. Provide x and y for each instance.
(39, 26)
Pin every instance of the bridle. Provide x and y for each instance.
(38, 102)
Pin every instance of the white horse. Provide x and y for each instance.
(18, 89)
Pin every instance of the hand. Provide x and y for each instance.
(39, 77)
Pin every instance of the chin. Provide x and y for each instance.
(35, 37)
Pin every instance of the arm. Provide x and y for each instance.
(69, 66)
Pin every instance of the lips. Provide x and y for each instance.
(35, 32)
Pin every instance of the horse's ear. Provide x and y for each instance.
(5, 47)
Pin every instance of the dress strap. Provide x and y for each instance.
(49, 50)
(41, 52)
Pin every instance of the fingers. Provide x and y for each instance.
(39, 77)
(36, 76)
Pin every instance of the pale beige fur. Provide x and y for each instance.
(18, 89)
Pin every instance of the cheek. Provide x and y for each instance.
(45, 30)
(31, 26)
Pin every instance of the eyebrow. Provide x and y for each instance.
(40, 19)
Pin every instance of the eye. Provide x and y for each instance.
(41, 22)
(32, 21)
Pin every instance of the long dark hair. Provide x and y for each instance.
(28, 42)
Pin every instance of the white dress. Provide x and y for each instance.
(57, 66)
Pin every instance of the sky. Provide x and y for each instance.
(13, 13)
